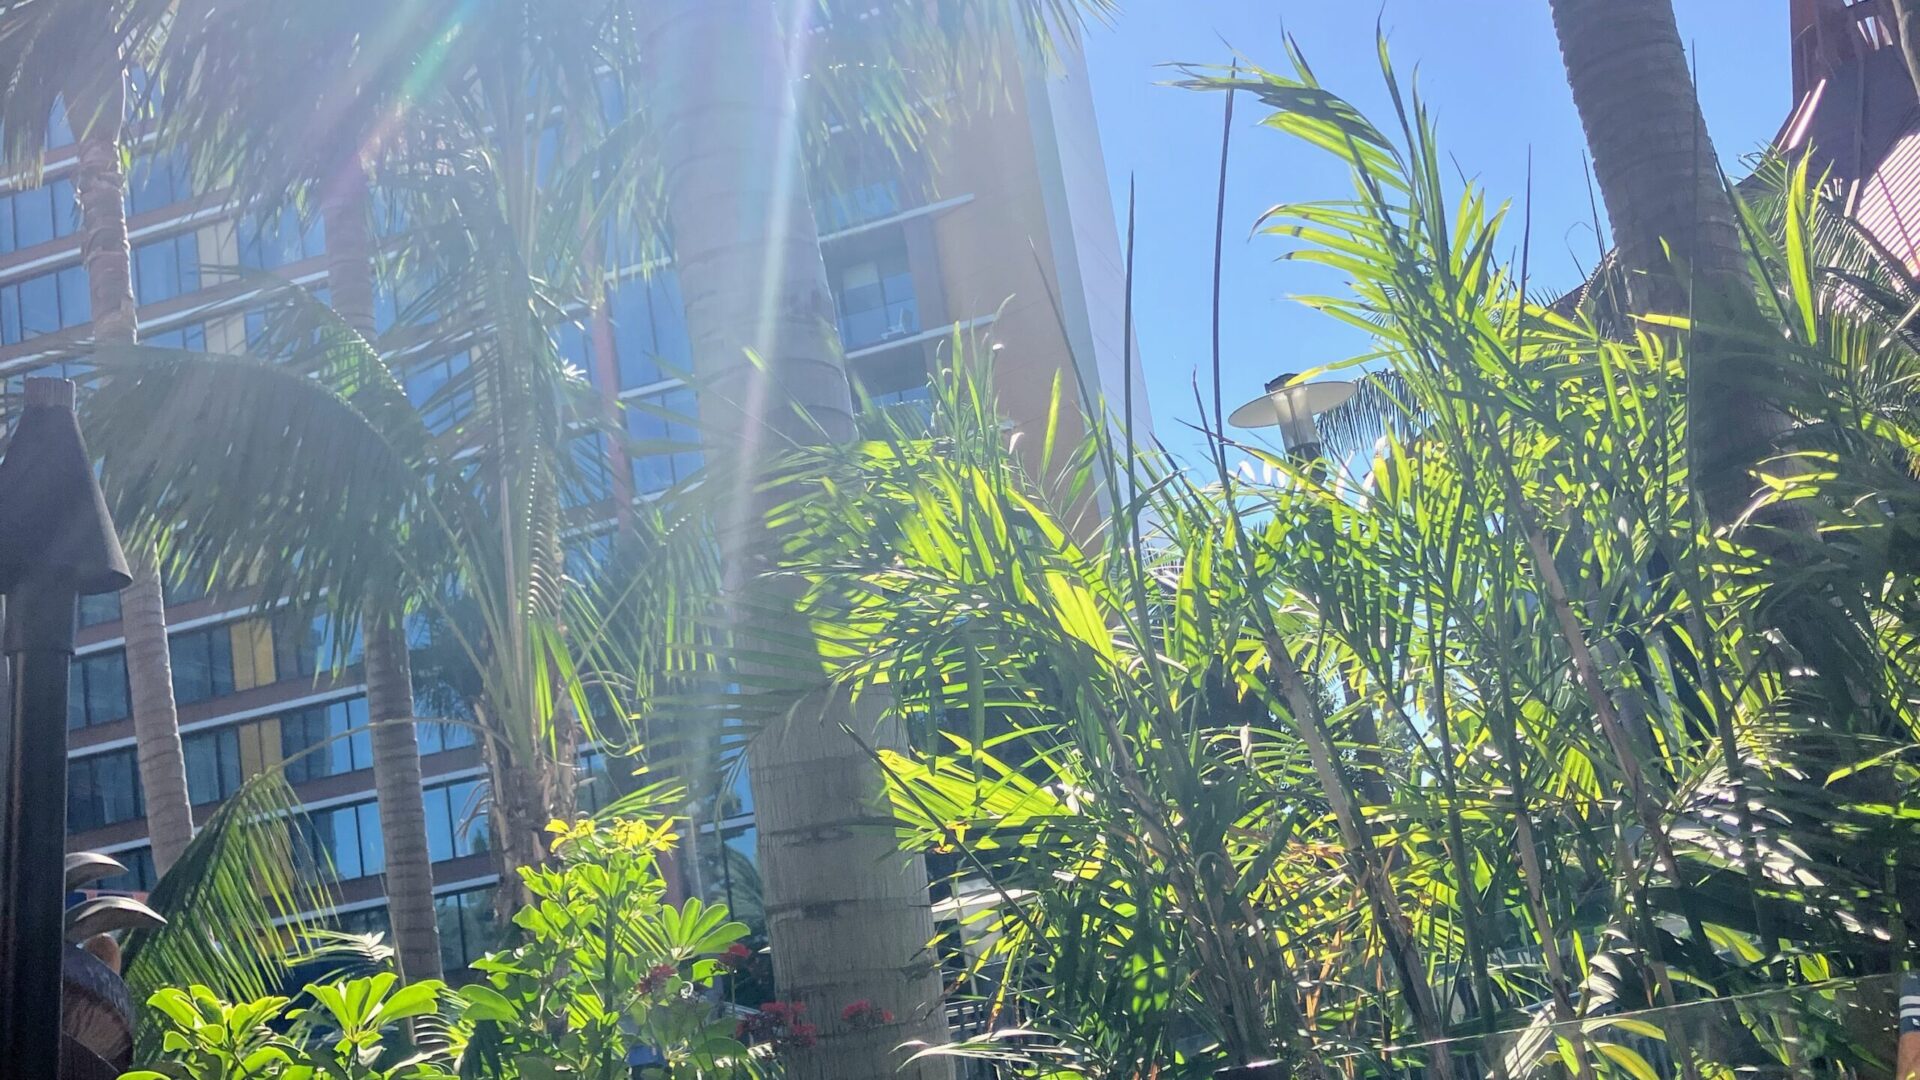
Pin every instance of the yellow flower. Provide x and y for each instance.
(565, 833)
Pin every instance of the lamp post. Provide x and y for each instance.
(1909, 1066)
(1292, 406)
(57, 543)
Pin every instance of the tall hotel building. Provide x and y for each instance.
(1003, 225)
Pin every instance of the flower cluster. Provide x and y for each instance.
(864, 1014)
(656, 978)
(779, 1023)
(736, 956)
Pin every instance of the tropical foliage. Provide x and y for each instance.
(1612, 819)
(607, 975)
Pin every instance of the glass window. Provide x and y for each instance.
(33, 217)
(97, 690)
(592, 479)
(457, 823)
(665, 447)
(468, 928)
(876, 300)
(438, 737)
(202, 664)
(633, 345)
(596, 784)
(192, 337)
(157, 181)
(306, 647)
(730, 872)
(99, 609)
(213, 765)
(402, 302)
(59, 130)
(326, 740)
(139, 877)
(437, 390)
(38, 215)
(33, 306)
(345, 839)
(102, 790)
(39, 306)
(164, 269)
(670, 335)
(278, 239)
(858, 205)
(585, 557)
(373, 920)
(76, 305)
(573, 344)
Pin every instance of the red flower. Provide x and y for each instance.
(657, 977)
(736, 955)
(779, 1023)
(863, 1014)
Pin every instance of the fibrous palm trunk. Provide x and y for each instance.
(389, 670)
(1907, 22)
(1674, 224)
(848, 914)
(101, 187)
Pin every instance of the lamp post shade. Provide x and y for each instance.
(57, 543)
(1291, 407)
(53, 518)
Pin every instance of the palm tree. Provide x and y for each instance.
(73, 56)
(1674, 223)
(480, 552)
(733, 157)
(389, 667)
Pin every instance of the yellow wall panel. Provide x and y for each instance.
(252, 654)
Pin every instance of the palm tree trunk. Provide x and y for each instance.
(848, 914)
(396, 784)
(1906, 14)
(156, 723)
(101, 190)
(1674, 223)
(389, 670)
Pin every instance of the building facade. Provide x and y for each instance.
(1002, 227)
(1855, 110)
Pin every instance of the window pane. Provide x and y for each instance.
(470, 833)
(76, 306)
(340, 832)
(299, 731)
(187, 257)
(360, 744)
(156, 272)
(192, 667)
(670, 335)
(202, 753)
(453, 954)
(213, 765)
(633, 343)
(99, 608)
(107, 698)
(39, 306)
(33, 217)
(66, 212)
(439, 825)
(139, 877)
(83, 808)
(373, 848)
(479, 929)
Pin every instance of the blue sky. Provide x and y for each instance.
(1490, 70)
